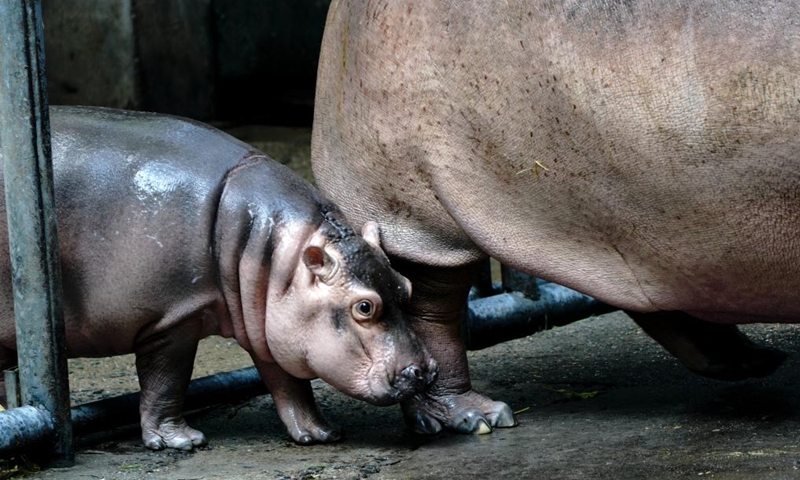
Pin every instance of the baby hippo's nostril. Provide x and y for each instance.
(412, 372)
(414, 379)
(411, 380)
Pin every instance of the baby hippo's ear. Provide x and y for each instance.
(320, 263)
(372, 234)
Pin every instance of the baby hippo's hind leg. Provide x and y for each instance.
(296, 407)
(714, 350)
(164, 363)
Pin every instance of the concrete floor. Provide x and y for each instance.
(598, 399)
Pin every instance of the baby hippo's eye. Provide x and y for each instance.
(365, 307)
(363, 310)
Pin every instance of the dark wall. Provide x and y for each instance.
(176, 64)
(267, 53)
(89, 52)
(241, 60)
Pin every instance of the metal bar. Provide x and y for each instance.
(507, 316)
(516, 281)
(27, 165)
(203, 392)
(24, 427)
(13, 395)
(483, 286)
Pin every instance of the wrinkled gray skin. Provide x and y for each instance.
(171, 231)
(646, 153)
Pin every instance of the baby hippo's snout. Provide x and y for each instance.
(415, 378)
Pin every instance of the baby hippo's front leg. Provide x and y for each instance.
(296, 407)
(164, 364)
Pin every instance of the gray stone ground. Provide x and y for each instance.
(597, 399)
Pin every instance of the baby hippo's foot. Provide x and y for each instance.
(468, 412)
(309, 428)
(171, 433)
(294, 401)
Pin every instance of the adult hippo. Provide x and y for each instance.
(646, 153)
(171, 231)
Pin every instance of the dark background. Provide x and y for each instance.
(248, 61)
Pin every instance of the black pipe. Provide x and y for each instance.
(24, 427)
(203, 392)
(507, 316)
(490, 321)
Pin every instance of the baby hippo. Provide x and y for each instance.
(171, 231)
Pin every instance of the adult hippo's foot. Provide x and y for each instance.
(714, 350)
(468, 412)
(438, 299)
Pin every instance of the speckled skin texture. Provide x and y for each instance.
(171, 231)
(645, 153)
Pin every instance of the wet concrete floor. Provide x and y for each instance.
(597, 399)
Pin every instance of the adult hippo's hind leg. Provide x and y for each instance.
(714, 350)
(438, 300)
(164, 364)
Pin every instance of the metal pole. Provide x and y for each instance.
(516, 281)
(13, 395)
(33, 244)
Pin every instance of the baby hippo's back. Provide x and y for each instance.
(136, 197)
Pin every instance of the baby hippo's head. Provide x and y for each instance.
(352, 330)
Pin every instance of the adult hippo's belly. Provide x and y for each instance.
(645, 153)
